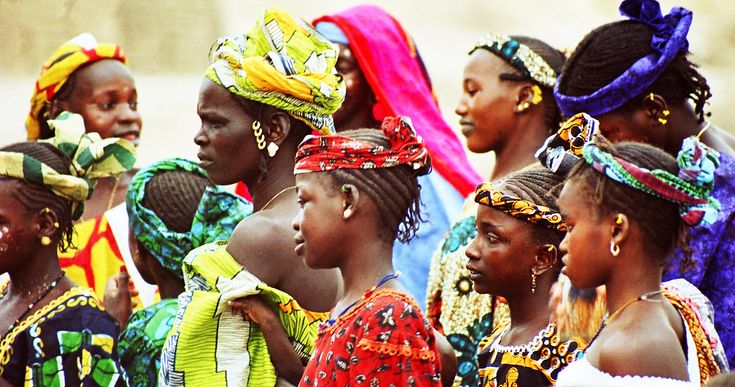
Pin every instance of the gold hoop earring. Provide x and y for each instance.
(614, 249)
(45, 240)
(258, 132)
(533, 282)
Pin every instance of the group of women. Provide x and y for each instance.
(608, 180)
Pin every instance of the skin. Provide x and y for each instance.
(501, 259)
(357, 110)
(492, 117)
(624, 346)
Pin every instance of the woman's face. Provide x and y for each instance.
(359, 95)
(317, 224)
(105, 96)
(227, 147)
(585, 247)
(502, 254)
(18, 227)
(487, 105)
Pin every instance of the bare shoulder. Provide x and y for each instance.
(261, 244)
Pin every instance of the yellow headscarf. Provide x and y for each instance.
(73, 54)
(282, 62)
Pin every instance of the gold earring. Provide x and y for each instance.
(533, 282)
(347, 213)
(619, 219)
(663, 121)
(666, 112)
(537, 96)
(525, 105)
(46, 210)
(56, 224)
(258, 132)
(614, 249)
(45, 240)
(651, 97)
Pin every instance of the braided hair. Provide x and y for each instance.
(609, 50)
(36, 197)
(174, 197)
(395, 191)
(665, 230)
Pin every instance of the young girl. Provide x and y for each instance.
(515, 255)
(54, 332)
(627, 206)
(358, 193)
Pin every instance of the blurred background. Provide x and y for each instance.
(166, 42)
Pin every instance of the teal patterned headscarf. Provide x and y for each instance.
(218, 213)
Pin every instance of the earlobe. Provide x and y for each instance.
(351, 198)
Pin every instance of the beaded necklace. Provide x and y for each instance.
(48, 289)
(367, 294)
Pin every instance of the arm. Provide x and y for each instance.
(119, 297)
(448, 359)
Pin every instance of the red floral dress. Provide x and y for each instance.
(383, 341)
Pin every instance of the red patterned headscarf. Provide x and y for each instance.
(327, 153)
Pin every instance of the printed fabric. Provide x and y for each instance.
(486, 194)
(208, 345)
(139, 348)
(383, 341)
(71, 341)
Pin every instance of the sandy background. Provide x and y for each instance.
(166, 42)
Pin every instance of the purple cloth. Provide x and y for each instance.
(713, 250)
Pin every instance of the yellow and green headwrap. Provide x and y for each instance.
(72, 55)
(285, 63)
(91, 158)
(519, 208)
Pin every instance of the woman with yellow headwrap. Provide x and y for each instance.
(262, 93)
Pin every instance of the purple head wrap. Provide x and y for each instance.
(669, 38)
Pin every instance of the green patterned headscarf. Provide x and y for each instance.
(282, 62)
(218, 213)
(91, 158)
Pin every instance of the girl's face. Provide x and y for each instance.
(18, 227)
(585, 247)
(318, 224)
(487, 105)
(358, 94)
(502, 254)
(106, 97)
(227, 146)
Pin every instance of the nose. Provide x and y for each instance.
(564, 245)
(296, 222)
(200, 138)
(461, 109)
(129, 114)
(472, 252)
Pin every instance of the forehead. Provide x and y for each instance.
(215, 97)
(103, 73)
(484, 64)
(499, 219)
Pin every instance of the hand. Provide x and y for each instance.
(118, 298)
(253, 308)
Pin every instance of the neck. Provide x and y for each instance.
(169, 285)
(363, 270)
(530, 310)
(519, 149)
(275, 182)
(362, 119)
(36, 275)
(629, 284)
(682, 124)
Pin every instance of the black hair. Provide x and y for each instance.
(665, 230)
(395, 191)
(174, 196)
(36, 197)
(66, 90)
(609, 50)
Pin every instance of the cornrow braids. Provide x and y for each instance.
(395, 191)
(174, 197)
(36, 197)
(609, 50)
(665, 230)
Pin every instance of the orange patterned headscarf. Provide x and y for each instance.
(67, 59)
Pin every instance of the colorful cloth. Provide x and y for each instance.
(486, 194)
(668, 40)
(454, 309)
(564, 148)
(139, 348)
(71, 341)
(91, 157)
(327, 153)
(690, 189)
(520, 56)
(79, 51)
(282, 62)
(535, 364)
(209, 345)
(218, 213)
(382, 341)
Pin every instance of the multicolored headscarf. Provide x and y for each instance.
(486, 194)
(72, 55)
(327, 153)
(691, 189)
(91, 158)
(519, 56)
(218, 213)
(562, 150)
(282, 62)
(669, 39)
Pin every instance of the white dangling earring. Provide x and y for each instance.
(272, 149)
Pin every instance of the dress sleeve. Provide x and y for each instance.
(96, 352)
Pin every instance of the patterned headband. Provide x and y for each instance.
(519, 56)
(519, 208)
(326, 153)
(690, 189)
(669, 39)
(562, 150)
(91, 158)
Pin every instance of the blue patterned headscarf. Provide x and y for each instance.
(218, 213)
(669, 39)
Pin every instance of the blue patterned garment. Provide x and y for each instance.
(140, 344)
(713, 250)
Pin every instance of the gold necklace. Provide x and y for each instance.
(642, 297)
(275, 196)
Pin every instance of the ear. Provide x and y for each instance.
(620, 227)
(525, 98)
(279, 126)
(656, 109)
(54, 108)
(48, 223)
(350, 201)
(547, 256)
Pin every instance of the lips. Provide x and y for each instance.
(204, 161)
(466, 127)
(299, 249)
(474, 274)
